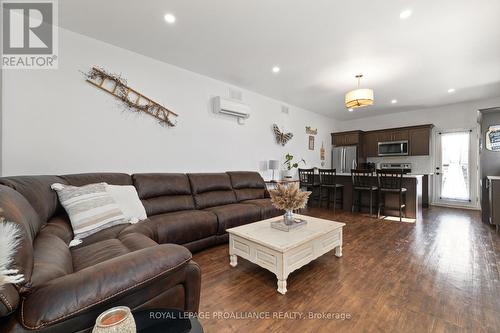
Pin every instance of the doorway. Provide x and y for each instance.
(453, 171)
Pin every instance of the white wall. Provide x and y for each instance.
(55, 123)
(449, 117)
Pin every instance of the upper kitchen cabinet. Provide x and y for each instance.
(418, 137)
(370, 143)
(346, 138)
(395, 134)
(420, 140)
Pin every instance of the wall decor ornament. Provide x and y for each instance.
(311, 142)
(311, 131)
(322, 152)
(493, 138)
(133, 100)
(281, 138)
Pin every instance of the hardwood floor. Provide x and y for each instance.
(438, 275)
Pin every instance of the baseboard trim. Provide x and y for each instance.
(455, 206)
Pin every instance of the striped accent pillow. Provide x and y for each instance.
(90, 208)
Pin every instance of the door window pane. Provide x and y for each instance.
(455, 180)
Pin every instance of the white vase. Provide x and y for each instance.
(288, 174)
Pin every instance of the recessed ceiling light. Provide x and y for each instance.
(350, 110)
(451, 90)
(276, 69)
(169, 18)
(394, 101)
(405, 14)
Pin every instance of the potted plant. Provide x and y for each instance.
(290, 165)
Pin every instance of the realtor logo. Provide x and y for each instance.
(29, 34)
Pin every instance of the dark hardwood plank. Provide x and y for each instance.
(438, 275)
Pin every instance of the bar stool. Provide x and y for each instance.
(362, 181)
(306, 180)
(391, 181)
(327, 181)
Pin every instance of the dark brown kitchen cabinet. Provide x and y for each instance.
(418, 137)
(346, 138)
(392, 135)
(420, 140)
(370, 144)
(400, 134)
(493, 185)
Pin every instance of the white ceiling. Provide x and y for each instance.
(319, 44)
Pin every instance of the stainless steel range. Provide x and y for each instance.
(406, 167)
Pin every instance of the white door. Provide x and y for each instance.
(453, 168)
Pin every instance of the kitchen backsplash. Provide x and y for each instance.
(419, 164)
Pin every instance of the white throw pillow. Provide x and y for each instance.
(90, 209)
(128, 200)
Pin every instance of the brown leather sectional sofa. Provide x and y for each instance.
(144, 265)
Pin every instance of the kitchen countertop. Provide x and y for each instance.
(409, 175)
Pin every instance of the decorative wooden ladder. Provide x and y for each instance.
(140, 102)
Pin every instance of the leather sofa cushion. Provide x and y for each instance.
(178, 227)
(60, 226)
(92, 178)
(98, 252)
(267, 209)
(164, 192)
(52, 258)
(211, 189)
(103, 284)
(234, 215)
(247, 185)
(104, 234)
(36, 189)
(150, 185)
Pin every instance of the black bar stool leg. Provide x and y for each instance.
(400, 207)
(329, 198)
(379, 203)
(334, 199)
(371, 202)
(320, 198)
(359, 201)
(352, 202)
(342, 198)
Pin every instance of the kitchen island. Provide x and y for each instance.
(413, 184)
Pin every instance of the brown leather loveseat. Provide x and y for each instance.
(144, 265)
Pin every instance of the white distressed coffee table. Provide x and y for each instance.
(283, 252)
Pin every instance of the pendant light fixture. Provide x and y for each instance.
(358, 97)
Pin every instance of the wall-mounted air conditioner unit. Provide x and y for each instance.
(232, 107)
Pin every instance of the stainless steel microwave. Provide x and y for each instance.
(393, 148)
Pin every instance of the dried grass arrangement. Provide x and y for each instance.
(289, 197)
(9, 241)
(132, 100)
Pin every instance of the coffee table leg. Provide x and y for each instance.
(282, 286)
(338, 251)
(233, 260)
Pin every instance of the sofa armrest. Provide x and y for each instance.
(79, 292)
(9, 299)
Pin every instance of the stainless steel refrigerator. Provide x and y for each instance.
(345, 158)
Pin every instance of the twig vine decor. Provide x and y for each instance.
(311, 131)
(134, 101)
